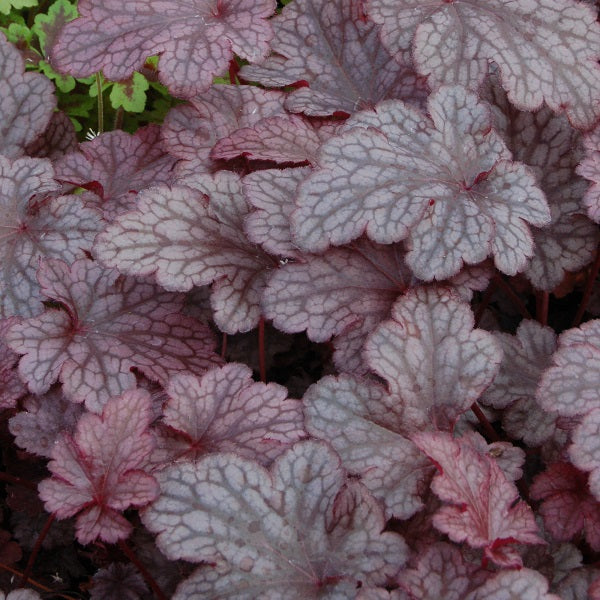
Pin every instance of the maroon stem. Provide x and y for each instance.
(489, 430)
(261, 350)
(36, 548)
(234, 69)
(511, 294)
(485, 301)
(587, 292)
(140, 567)
(224, 346)
(541, 308)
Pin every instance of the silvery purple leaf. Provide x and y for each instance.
(535, 44)
(445, 183)
(26, 102)
(196, 40)
(332, 47)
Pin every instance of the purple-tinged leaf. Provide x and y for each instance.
(118, 580)
(189, 237)
(26, 102)
(196, 40)
(37, 428)
(190, 131)
(296, 527)
(117, 165)
(526, 356)
(551, 148)
(57, 139)
(444, 183)
(577, 584)
(226, 411)
(524, 584)
(366, 427)
(325, 295)
(570, 386)
(440, 572)
(282, 139)
(330, 45)
(105, 325)
(34, 227)
(585, 451)
(271, 192)
(485, 511)
(547, 50)
(567, 505)
(20, 594)
(432, 358)
(99, 471)
(508, 457)
(11, 386)
(590, 169)
(379, 593)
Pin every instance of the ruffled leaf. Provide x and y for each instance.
(191, 237)
(271, 192)
(567, 505)
(56, 140)
(432, 358)
(11, 386)
(551, 148)
(296, 527)
(444, 183)
(99, 472)
(485, 511)
(282, 139)
(26, 102)
(227, 411)
(590, 169)
(37, 428)
(525, 584)
(190, 131)
(105, 325)
(547, 50)
(440, 572)
(330, 45)
(366, 427)
(196, 40)
(526, 357)
(116, 165)
(35, 227)
(570, 385)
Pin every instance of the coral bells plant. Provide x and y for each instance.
(300, 299)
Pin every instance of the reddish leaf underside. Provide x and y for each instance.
(484, 508)
(99, 471)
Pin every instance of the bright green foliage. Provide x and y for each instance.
(19, 33)
(65, 83)
(7, 5)
(45, 26)
(130, 94)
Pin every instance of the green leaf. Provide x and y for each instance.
(47, 26)
(18, 33)
(65, 83)
(7, 5)
(130, 94)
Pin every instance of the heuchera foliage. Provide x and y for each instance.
(327, 327)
